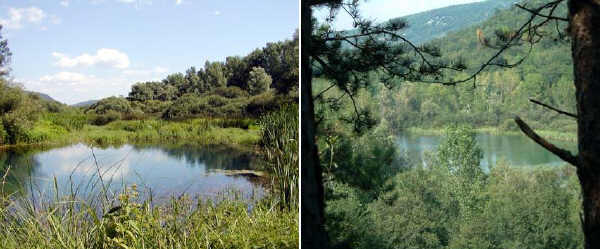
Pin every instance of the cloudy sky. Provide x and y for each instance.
(382, 10)
(77, 50)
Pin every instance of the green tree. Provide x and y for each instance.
(258, 81)
(5, 55)
(216, 76)
(141, 92)
(192, 79)
(178, 81)
(237, 72)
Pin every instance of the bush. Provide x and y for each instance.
(183, 107)
(230, 92)
(151, 106)
(265, 103)
(215, 100)
(106, 118)
(119, 105)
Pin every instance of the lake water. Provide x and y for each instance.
(163, 170)
(518, 150)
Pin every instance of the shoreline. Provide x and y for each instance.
(548, 134)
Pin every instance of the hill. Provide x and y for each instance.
(43, 96)
(85, 103)
(428, 25)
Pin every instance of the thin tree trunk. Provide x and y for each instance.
(313, 233)
(584, 25)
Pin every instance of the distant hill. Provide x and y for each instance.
(85, 103)
(428, 25)
(43, 96)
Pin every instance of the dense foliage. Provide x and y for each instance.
(498, 93)
(452, 203)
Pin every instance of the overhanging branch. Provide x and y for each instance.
(561, 153)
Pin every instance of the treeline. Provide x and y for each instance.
(239, 87)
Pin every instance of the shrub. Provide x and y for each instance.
(215, 100)
(264, 103)
(230, 92)
(106, 118)
(182, 107)
(116, 104)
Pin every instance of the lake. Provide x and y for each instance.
(518, 150)
(162, 170)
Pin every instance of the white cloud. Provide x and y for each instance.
(104, 56)
(17, 17)
(178, 2)
(64, 3)
(217, 13)
(126, 1)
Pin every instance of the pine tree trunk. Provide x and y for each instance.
(584, 25)
(313, 233)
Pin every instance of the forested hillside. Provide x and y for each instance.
(498, 93)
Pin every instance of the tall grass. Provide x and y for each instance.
(67, 128)
(128, 220)
(280, 141)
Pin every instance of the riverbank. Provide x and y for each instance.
(198, 132)
(548, 134)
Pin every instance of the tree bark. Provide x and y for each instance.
(584, 27)
(312, 222)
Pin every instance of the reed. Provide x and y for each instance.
(131, 218)
(280, 141)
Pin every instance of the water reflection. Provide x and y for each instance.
(517, 150)
(165, 170)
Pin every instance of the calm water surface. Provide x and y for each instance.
(518, 150)
(163, 170)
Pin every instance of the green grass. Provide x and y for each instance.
(51, 129)
(69, 222)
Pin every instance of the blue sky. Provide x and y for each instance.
(76, 50)
(382, 10)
